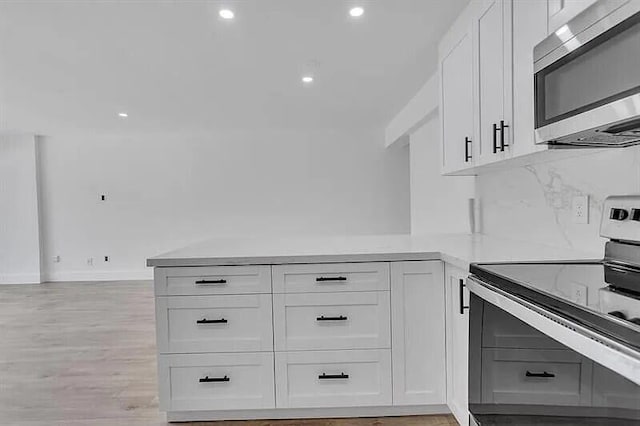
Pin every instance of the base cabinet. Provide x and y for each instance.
(457, 302)
(301, 339)
(417, 315)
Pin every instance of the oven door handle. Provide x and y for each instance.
(462, 307)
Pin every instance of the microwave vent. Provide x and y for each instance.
(619, 135)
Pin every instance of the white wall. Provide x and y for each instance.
(19, 227)
(168, 191)
(533, 203)
(439, 204)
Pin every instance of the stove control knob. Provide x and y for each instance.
(618, 214)
(618, 314)
(635, 215)
(635, 321)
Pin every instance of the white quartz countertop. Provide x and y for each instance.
(458, 249)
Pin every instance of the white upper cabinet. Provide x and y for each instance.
(492, 28)
(561, 11)
(456, 70)
(502, 34)
(530, 27)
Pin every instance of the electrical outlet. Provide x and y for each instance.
(103, 197)
(106, 258)
(90, 261)
(579, 293)
(580, 209)
(56, 259)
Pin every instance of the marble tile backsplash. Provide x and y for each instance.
(533, 203)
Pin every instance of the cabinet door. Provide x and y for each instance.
(418, 338)
(457, 301)
(456, 71)
(530, 28)
(493, 41)
(561, 11)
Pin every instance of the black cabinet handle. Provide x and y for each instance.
(215, 321)
(502, 127)
(544, 374)
(201, 282)
(324, 279)
(207, 379)
(325, 376)
(462, 307)
(495, 138)
(467, 156)
(323, 318)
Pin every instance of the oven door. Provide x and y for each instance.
(586, 75)
(519, 375)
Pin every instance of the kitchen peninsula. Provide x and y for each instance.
(320, 327)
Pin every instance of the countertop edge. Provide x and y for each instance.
(292, 259)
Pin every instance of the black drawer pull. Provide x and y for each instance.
(214, 321)
(325, 376)
(340, 318)
(207, 379)
(544, 374)
(211, 282)
(323, 279)
(467, 155)
(462, 307)
(502, 127)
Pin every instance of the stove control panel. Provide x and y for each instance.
(621, 218)
(620, 306)
(618, 214)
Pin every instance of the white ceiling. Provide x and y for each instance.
(176, 66)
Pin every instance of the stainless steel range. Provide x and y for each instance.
(559, 343)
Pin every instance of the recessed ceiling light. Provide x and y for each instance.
(307, 79)
(356, 12)
(123, 114)
(226, 14)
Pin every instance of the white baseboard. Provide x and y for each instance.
(132, 275)
(306, 413)
(33, 278)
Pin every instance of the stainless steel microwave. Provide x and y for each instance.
(587, 79)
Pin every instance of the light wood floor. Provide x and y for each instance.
(83, 354)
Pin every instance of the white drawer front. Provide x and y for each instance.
(330, 277)
(240, 323)
(546, 377)
(332, 321)
(216, 381)
(333, 378)
(212, 280)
